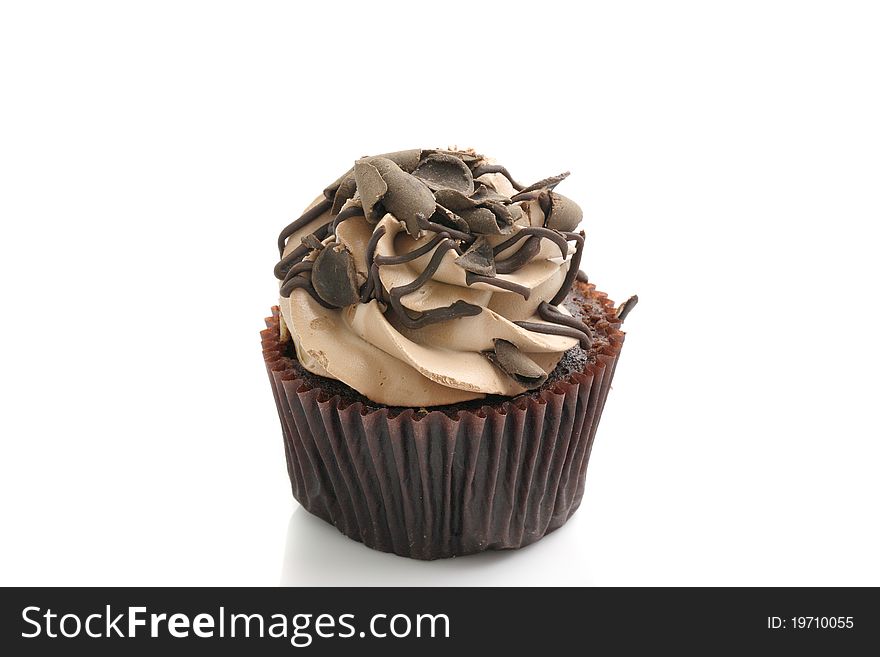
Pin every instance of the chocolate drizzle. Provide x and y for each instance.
(521, 258)
(500, 283)
(415, 253)
(627, 306)
(308, 217)
(346, 213)
(573, 267)
(554, 236)
(437, 191)
(418, 320)
(298, 254)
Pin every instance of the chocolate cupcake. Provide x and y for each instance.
(438, 360)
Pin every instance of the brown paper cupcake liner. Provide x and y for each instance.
(437, 484)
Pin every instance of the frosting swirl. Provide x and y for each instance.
(430, 277)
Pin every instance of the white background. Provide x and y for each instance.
(727, 156)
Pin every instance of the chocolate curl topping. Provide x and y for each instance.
(478, 258)
(564, 214)
(334, 276)
(312, 242)
(385, 187)
(484, 194)
(546, 183)
(331, 189)
(345, 192)
(487, 221)
(446, 217)
(372, 188)
(517, 365)
(455, 200)
(435, 190)
(406, 160)
(442, 171)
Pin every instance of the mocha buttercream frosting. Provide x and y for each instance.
(430, 277)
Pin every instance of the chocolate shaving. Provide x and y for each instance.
(331, 189)
(492, 220)
(546, 183)
(311, 242)
(564, 214)
(446, 217)
(371, 187)
(573, 267)
(407, 160)
(454, 200)
(582, 276)
(346, 190)
(468, 156)
(481, 221)
(478, 258)
(334, 276)
(485, 194)
(457, 309)
(521, 258)
(627, 306)
(500, 283)
(442, 171)
(308, 217)
(496, 168)
(528, 196)
(405, 184)
(385, 187)
(517, 365)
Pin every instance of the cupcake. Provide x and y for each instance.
(438, 360)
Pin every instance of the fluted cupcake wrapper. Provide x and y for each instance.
(427, 485)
